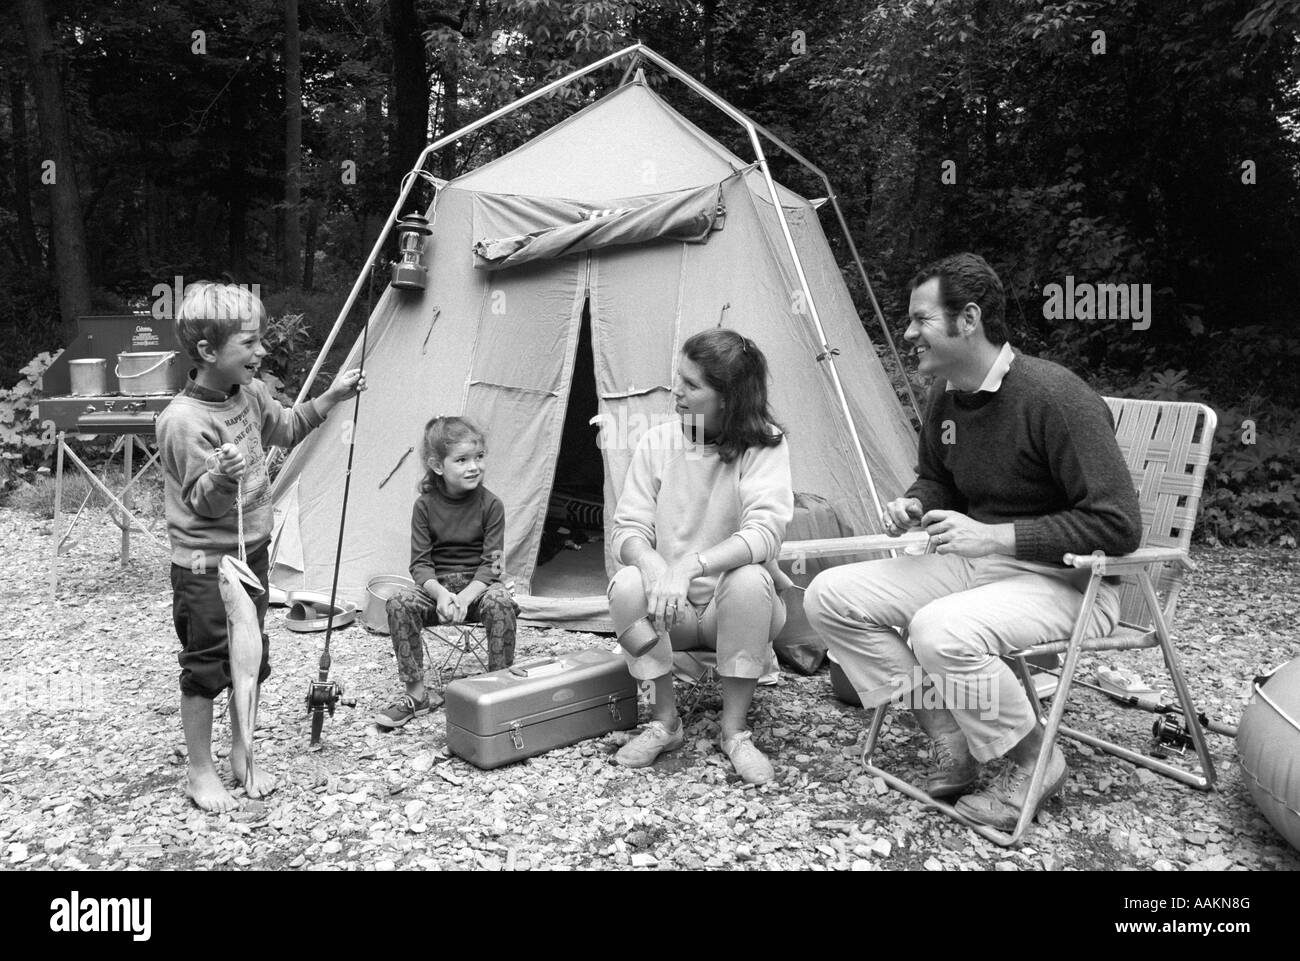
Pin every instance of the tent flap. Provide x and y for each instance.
(689, 216)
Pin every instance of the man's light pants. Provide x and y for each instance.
(960, 614)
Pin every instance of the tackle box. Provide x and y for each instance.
(538, 705)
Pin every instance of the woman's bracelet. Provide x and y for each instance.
(704, 567)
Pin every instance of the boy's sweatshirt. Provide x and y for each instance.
(200, 502)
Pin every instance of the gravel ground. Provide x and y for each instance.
(92, 757)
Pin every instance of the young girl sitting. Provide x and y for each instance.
(457, 540)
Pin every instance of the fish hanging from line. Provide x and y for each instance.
(239, 585)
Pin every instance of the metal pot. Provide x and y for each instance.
(145, 372)
(89, 377)
(379, 589)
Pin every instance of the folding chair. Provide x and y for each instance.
(453, 643)
(697, 672)
(1166, 446)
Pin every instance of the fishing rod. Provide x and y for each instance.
(324, 694)
(1170, 729)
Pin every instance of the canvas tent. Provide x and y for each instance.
(563, 279)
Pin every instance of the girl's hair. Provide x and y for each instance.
(733, 365)
(440, 435)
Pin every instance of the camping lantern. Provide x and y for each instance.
(408, 274)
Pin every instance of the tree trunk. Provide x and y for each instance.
(68, 231)
(235, 184)
(29, 247)
(450, 120)
(411, 87)
(149, 222)
(309, 248)
(292, 248)
(710, 19)
(372, 180)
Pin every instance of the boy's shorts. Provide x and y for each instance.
(200, 618)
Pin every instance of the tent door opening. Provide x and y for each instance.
(571, 559)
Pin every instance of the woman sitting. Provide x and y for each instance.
(699, 524)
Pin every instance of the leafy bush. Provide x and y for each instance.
(1253, 477)
(24, 442)
(285, 340)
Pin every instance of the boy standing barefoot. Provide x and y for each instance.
(213, 438)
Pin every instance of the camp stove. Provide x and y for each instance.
(104, 414)
(107, 410)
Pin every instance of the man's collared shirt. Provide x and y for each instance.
(993, 379)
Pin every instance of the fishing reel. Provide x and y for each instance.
(1170, 735)
(327, 694)
(324, 696)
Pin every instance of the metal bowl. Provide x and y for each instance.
(310, 611)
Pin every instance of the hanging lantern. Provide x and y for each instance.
(408, 273)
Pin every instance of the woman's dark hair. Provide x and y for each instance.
(440, 435)
(733, 365)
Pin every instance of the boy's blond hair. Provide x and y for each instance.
(215, 313)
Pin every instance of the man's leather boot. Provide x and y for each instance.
(955, 769)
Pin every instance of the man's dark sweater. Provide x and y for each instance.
(458, 534)
(1040, 452)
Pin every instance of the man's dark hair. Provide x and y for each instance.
(968, 279)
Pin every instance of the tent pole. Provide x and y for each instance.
(816, 318)
(875, 305)
(631, 65)
(752, 130)
(361, 279)
(699, 88)
(418, 169)
(638, 51)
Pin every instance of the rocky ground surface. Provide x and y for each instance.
(92, 758)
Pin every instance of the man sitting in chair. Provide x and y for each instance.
(1017, 465)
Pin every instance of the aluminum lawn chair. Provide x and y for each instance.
(1166, 446)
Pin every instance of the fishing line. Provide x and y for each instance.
(322, 694)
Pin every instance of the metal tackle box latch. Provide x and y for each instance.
(614, 712)
(516, 735)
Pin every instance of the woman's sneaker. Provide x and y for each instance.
(407, 709)
(750, 763)
(642, 750)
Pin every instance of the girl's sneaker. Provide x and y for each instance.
(407, 709)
